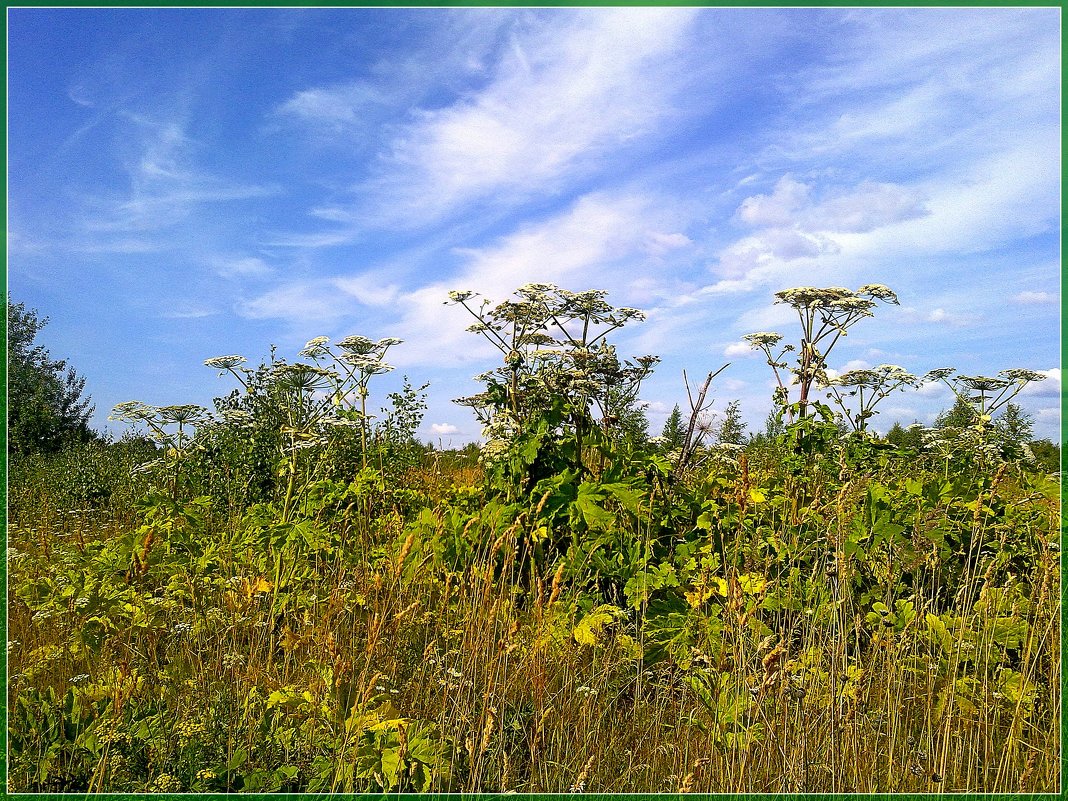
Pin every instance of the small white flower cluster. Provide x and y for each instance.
(225, 362)
(181, 629)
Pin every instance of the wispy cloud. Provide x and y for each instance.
(568, 89)
(164, 189)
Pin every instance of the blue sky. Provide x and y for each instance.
(188, 183)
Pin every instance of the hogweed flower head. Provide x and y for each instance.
(1020, 374)
(225, 362)
(303, 377)
(366, 363)
(185, 413)
(315, 348)
(763, 339)
(357, 344)
(983, 383)
(879, 291)
(132, 410)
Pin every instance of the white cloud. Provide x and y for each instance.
(854, 364)
(165, 188)
(900, 412)
(371, 289)
(658, 243)
(314, 302)
(778, 209)
(938, 316)
(186, 312)
(864, 207)
(1029, 297)
(803, 223)
(739, 349)
(573, 248)
(247, 267)
(444, 429)
(334, 108)
(932, 389)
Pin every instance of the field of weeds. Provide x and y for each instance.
(284, 597)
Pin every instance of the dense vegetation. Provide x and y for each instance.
(290, 594)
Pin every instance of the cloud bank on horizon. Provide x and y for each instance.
(190, 182)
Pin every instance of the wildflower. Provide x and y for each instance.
(205, 775)
(983, 383)
(879, 291)
(132, 410)
(367, 364)
(303, 377)
(1018, 374)
(165, 783)
(460, 296)
(225, 362)
(79, 678)
(356, 344)
(534, 289)
(184, 413)
(315, 348)
(763, 338)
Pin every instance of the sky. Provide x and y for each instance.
(190, 183)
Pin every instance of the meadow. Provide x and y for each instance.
(289, 593)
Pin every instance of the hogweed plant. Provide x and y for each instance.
(858, 392)
(171, 427)
(558, 365)
(826, 315)
(982, 397)
(318, 399)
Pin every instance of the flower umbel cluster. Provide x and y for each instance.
(826, 315)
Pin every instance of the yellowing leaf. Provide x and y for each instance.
(698, 596)
(756, 496)
(752, 583)
(592, 625)
(257, 585)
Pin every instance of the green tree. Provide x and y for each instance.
(731, 429)
(907, 438)
(1014, 426)
(674, 431)
(1047, 455)
(46, 409)
(961, 415)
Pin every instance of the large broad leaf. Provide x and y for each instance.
(588, 503)
(641, 585)
(590, 628)
(628, 497)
